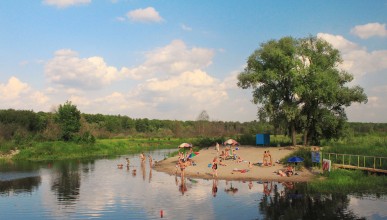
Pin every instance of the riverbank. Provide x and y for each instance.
(238, 171)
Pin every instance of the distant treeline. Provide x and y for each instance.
(26, 124)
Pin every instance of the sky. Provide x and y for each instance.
(161, 59)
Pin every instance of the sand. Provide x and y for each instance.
(247, 153)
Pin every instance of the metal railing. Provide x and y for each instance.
(361, 162)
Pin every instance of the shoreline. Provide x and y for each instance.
(232, 169)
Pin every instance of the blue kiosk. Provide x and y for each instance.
(262, 139)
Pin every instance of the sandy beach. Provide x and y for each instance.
(232, 170)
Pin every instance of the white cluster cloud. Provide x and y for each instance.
(174, 58)
(13, 89)
(357, 60)
(370, 30)
(172, 83)
(19, 95)
(146, 15)
(66, 3)
(68, 69)
(368, 68)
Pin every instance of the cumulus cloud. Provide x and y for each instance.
(370, 30)
(13, 89)
(146, 15)
(19, 95)
(172, 59)
(65, 3)
(357, 60)
(190, 90)
(68, 69)
(39, 98)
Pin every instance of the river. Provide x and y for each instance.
(98, 189)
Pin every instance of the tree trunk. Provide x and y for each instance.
(293, 131)
(306, 137)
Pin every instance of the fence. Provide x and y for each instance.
(359, 162)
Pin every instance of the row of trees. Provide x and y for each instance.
(68, 123)
(298, 85)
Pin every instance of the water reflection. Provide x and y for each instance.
(19, 185)
(96, 188)
(292, 202)
(214, 187)
(66, 182)
(18, 178)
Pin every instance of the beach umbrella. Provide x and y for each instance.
(231, 142)
(295, 159)
(184, 146)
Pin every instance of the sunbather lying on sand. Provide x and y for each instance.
(239, 170)
(287, 172)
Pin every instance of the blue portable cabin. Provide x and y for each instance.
(262, 139)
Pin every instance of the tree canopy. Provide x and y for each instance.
(298, 84)
(68, 118)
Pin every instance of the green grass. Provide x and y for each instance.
(371, 145)
(349, 181)
(59, 150)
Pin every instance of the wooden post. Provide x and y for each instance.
(374, 162)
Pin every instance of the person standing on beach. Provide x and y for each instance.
(270, 159)
(265, 158)
(217, 148)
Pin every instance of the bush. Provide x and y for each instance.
(246, 139)
(86, 138)
(206, 142)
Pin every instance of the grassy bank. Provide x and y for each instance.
(349, 181)
(59, 150)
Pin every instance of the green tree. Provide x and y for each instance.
(273, 72)
(298, 84)
(68, 118)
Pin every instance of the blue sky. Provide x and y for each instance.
(173, 59)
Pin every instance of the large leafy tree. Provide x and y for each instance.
(272, 71)
(68, 118)
(298, 84)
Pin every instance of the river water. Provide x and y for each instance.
(97, 189)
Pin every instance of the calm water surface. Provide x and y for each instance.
(98, 189)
